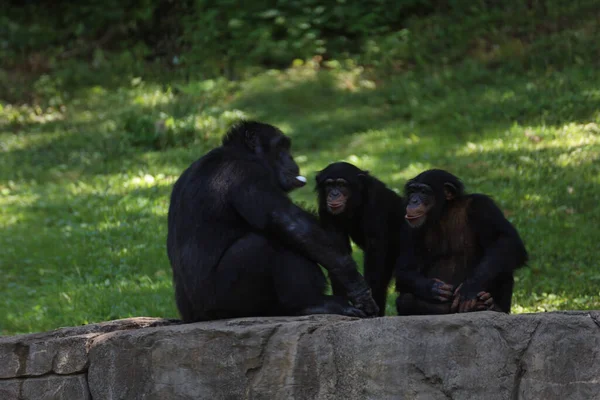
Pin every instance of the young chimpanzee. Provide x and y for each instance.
(355, 205)
(463, 251)
(239, 247)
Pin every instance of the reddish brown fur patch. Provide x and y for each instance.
(452, 244)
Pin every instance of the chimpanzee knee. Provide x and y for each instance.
(405, 304)
(299, 282)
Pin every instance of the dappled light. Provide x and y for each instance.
(90, 147)
(97, 200)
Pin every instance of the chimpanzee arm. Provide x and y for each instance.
(375, 224)
(504, 250)
(408, 272)
(342, 238)
(266, 208)
(375, 255)
(410, 277)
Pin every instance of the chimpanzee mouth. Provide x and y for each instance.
(336, 207)
(415, 219)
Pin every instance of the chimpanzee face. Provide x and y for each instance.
(427, 197)
(337, 194)
(420, 202)
(340, 187)
(286, 169)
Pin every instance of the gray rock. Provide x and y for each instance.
(469, 356)
(62, 351)
(482, 355)
(72, 387)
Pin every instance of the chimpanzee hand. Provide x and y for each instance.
(442, 291)
(364, 302)
(485, 302)
(465, 300)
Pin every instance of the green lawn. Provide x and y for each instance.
(84, 190)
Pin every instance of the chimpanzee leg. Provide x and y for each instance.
(257, 277)
(243, 280)
(300, 285)
(502, 292)
(379, 281)
(336, 287)
(184, 305)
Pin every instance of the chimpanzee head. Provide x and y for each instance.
(271, 147)
(340, 186)
(427, 195)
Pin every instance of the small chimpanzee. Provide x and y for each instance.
(462, 251)
(239, 247)
(355, 205)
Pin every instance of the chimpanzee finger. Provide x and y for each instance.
(455, 304)
(447, 294)
(457, 289)
(489, 302)
(484, 296)
(444, 285)
(466, 306)
(449, 288)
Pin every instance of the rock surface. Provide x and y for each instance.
(468, 356)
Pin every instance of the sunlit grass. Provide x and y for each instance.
(84, 196)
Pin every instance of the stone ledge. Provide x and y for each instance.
(468, 356)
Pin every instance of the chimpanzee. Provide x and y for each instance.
(462, 251)
(355, 205)
(239, 247)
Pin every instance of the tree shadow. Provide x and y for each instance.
(326, 113)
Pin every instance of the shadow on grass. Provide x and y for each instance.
(326, 113)
(87, 226)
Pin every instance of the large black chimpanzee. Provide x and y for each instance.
(355, 205)
(239, 247)
(462, 254)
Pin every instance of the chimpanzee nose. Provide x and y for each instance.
(334, 194)
(414, 201)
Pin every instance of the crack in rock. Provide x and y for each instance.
(595, 318)
(521, 370)
(252, 372)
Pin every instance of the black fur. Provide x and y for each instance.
(373, 219)
(465, 240)
(239, 247)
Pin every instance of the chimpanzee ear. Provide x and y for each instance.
(319, 178)
(252, 141)
(450, 191)
(362, 179)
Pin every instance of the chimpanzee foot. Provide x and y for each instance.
(334, 307)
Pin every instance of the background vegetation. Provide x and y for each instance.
(103, 104)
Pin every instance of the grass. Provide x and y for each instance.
(84, 189)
